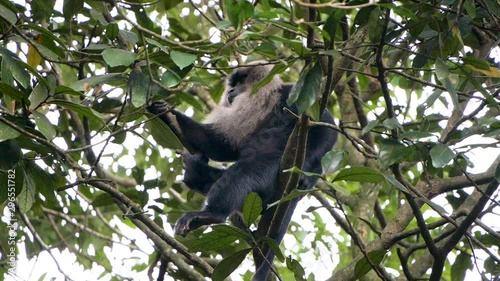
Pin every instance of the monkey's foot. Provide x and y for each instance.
(193, 220)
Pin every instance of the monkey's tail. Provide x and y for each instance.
(264, 264)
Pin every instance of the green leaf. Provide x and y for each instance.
(138, 87)
(171, 3)
(229, 264)
(294, 194)
(138, 174)
(493, 8)
(480, 88)
(157, 44)
(462, 263)
(492, 266)
(307, 89)
(26, 198)
(44, 125)
(10, 156)
(441, 155)
(313, 111)
(252, 208)
(72, 8)
(212, 241)
(332, 23)
(391, 151)
(370, 126)
(362, 267)
(392, 123)
(16, 67)
(170, 79)
(39, 95)
(103, 199)
(14, 93)
(46, 33)
(42, 181)
(397, 184)
(449, 80)
(221, 236)
(87, 83)
(416, 135)
(8, 15)
(42, 9)
(470, 7)
(376, 26)
(332, 161)
(296, 170)
(360, 174)
(476, 62)
(221, 25)
(296, 268)
(274, 247)
(140, 197)
(80, 109)
(66, 90)
(428, 102)
(128, 36)
(7, 132)
(44, 48)
(182, 59)
(163, 135)
(6, 76)
(338, 188)
(238, 11)
(400, 10)
(117, 57)
(112, 30)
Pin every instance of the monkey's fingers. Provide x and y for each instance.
(193, 220)
(157, 107)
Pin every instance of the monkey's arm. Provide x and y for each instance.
(201, 137)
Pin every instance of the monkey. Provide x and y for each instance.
(252, 131)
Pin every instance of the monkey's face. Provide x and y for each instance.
(234, 92)
(236, 86)
(240, 82)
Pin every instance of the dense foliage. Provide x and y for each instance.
(90, 183)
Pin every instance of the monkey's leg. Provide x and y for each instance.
(229, 192)
(198, 174)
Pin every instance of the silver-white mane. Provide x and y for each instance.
(237, 121)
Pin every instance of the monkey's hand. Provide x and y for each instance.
(158, 107)
(193, 220)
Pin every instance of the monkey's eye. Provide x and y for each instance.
(231, 94)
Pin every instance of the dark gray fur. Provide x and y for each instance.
(251, 131)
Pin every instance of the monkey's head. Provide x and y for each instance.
(242, 80)
(239, 112)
